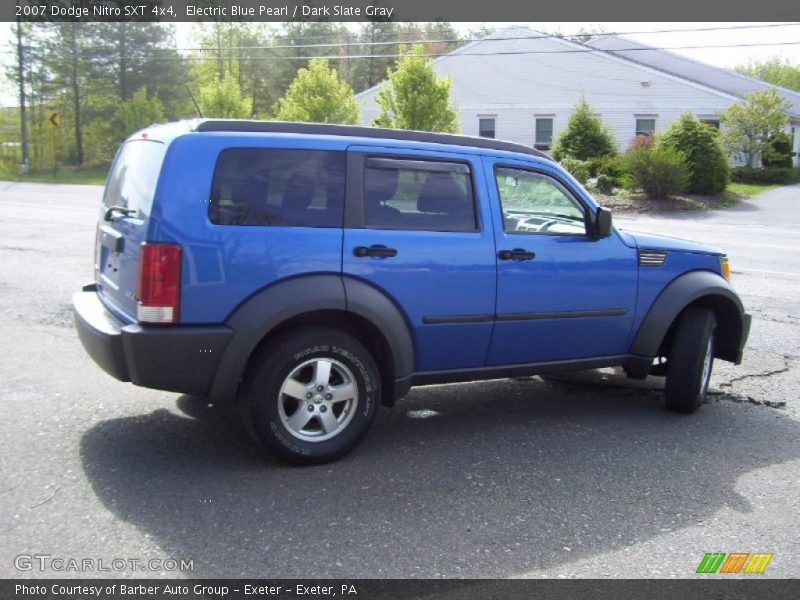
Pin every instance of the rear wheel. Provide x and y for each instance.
(310, 396)
(691, 360)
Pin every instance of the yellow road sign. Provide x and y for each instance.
(53, 119)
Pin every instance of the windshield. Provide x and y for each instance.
(132, 181)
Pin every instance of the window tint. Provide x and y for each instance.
(544, 133)
(284, 188)
(415, 194)
(486, 127)
(533, 203)
(132, 181)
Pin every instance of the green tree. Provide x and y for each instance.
(223, 99)
(241, 49)
(708, 166)
(140, 111)
(377, 37)
(317, 95)
(751, 124)
(777, 71)
(300, 39)
(585, 136)
(70, 74)
(415, 97)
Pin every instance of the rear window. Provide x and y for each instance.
(132, 181)
(277, 187)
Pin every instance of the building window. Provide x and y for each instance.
(645, 125)
(544, 133)
(711, 122)
(486, 127)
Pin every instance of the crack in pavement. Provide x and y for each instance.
(741, 399)
(717, 395)
(785, 369)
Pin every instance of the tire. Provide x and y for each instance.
(309, 397)
(691, 360)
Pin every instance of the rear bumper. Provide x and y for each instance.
(175, 359)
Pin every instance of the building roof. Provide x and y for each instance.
(710, 76)
(515, 52)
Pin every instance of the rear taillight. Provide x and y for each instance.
(159, 283)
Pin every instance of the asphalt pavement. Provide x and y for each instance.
(588, 476)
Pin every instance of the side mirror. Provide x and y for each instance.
(602, 223)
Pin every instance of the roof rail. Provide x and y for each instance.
(365, 132)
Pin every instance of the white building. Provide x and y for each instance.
(521, 85)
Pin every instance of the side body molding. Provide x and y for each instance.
(703, 288)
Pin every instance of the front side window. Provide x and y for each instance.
(535, 203)
(645, 125)
(486, 127)
(418, 195)
(278, 187)
(544, 133)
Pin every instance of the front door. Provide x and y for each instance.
(561, 293)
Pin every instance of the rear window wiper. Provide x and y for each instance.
(119, 210)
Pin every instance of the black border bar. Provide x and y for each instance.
(174, 11)
(734, 587)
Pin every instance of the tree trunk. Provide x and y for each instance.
(122, 44)
(76, 93)
(22, 117)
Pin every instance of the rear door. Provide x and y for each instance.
(561, 293)
(122, 226)
(415, 228)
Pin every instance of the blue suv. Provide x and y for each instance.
(313, 272)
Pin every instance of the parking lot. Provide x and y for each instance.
(587, 476)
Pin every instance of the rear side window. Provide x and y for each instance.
(418, 194)
(277, 187)
(132, 181)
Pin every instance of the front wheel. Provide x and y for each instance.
(310, 396)
(691, 360)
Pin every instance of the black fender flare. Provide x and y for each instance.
(696, 287)
(276, 304)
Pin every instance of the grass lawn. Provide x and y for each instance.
(93, 176)
(750, 189)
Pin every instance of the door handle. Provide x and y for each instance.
(516, 254)
(375, 250)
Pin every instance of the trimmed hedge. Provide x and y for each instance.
(767, 175)
(658, 170)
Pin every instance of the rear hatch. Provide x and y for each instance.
(122, 226)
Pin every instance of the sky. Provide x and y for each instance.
(756, 41)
